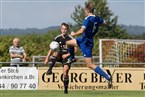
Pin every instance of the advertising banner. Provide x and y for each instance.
(87, 79)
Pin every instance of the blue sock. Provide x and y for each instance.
(71, 51)
(101, 72)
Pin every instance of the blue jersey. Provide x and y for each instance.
(91, 25)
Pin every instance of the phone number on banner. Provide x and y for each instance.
(18, 86)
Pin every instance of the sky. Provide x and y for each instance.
(45, 13)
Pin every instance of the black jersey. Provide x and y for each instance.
(62, 42)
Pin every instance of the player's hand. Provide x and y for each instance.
(64, 56)
(46, 62)
(72, 33)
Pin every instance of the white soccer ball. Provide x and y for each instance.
(54, 46)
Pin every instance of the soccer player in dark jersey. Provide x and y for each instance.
(88, 30)
(64, 55)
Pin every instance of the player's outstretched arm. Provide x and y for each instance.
(47, 57)
(80, 31)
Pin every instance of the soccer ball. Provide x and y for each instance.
(54, 46)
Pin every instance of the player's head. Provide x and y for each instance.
(16, 42)
(89, 8)
(64, 28)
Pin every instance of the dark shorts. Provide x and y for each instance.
(63, 61)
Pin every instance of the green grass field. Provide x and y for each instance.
(48, 93)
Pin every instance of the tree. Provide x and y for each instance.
(111, 30)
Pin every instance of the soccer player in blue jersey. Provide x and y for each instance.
(88, 30)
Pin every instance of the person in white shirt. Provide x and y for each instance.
(17, 53)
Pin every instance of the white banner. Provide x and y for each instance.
(18, 78)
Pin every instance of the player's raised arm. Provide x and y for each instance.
(80, 31)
